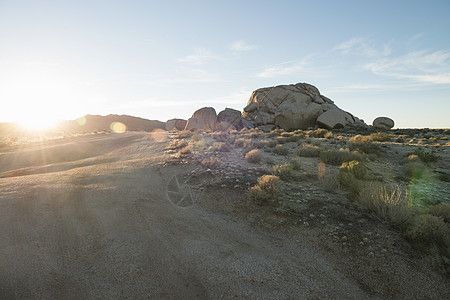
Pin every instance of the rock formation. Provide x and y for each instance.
(175, 124)
(383, 123)
(296, 106)
(205, 118)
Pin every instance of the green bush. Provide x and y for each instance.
(280, 150)
(357, 168)
(415, 169)
(349, 182)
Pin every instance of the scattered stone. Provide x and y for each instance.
(384, 123)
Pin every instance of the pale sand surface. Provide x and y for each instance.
(90, 218)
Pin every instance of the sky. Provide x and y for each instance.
(165, 59)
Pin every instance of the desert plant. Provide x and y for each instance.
(184, 134)
(243, 142)
(253, 156)
(318, 133)
(281, 139)
(177, 144)
(415, 169)
(381, 137)
(426, 157)
(334, 157)
(284, 171)
(328, 135)
(222, 147)
(185, 150)
(280, 150)
(441, 210)
(429, 229)
(212, 162)
(266, 188)
(329, 182)
(272, 143)
(296, 163)
(357, 168)
(308, 150)
(349, 182)
(196, 137)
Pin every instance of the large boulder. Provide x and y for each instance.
(231, 116)
(175, 124)
(205, 118)
(295, 106)
(335, 118)
(384, 123)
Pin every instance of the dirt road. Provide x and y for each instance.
(90, 218)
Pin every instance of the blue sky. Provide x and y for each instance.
(165, 59)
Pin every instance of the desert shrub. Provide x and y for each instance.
(284, 171)
(334, 157)
(177, 144)
(426, 157)
(253, 156)
(184, 134)
(441, 210)
(429, 229)
(185, 150)
(280, 150)
(296, 163)
(220, 136)
(414, 169)
(272, 143)
(275, 132)
(349, 182)
(364, 139)
(222, 147)
(196, 137)
(390, 202)
(308, 150)
(211, 162)
(260, 144)
(381, 137)
(243, 142)
(329, 182)
(357, 168)
(318, 133)
(266, 188)
(328, 135)
(293, 138)
(286, 134)
(281, 139)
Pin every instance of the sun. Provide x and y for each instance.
(39, 123)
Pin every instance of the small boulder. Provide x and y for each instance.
(384, 123)
(205, 118)
(175, 124)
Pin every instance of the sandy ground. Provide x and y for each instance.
(91, 217)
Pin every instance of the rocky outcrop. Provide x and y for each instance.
(384, 123)
(296, 106)
(205, 118)
(175, 124)
(231, 119)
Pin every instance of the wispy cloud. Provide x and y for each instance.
(362, 46)
(241, 46)
(199, 57)
(423, 66)
(283, 69)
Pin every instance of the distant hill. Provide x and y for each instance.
(90, 123)
(86, 124)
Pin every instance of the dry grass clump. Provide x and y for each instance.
(271, 143)
(308, 150)
(426, 157)
(296, 163)
(221, 147)
(177, 144)
(266, 188)
(357, 168)
(318, 133)
(381, 137)
(280, 150)
(441, 210)
(243, 143)
(329, 182)
(284, 171)
(415, 169)
(429, 229)
(184, 134)
(185, 150)
(334, 157)
(212, 162)
(253, 156)
(281, 139)
(197, 137)
(220, 136)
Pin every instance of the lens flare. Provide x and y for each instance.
(118, 127)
